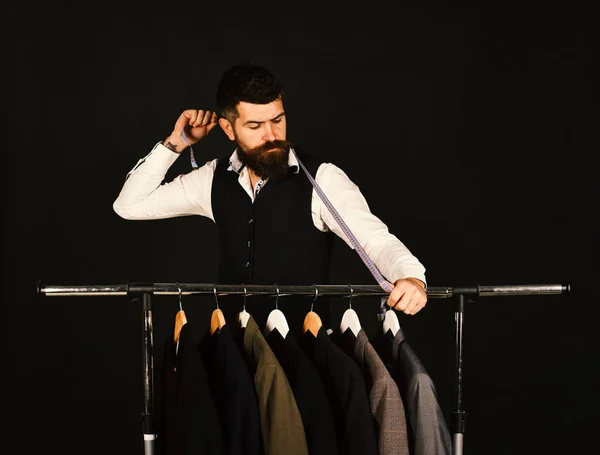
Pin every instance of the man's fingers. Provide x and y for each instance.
(414, 306)
(417, 304)
(197, 120)
(199, 117)
(406, 298)
(395, 295)
(210, 126)
(404, 302)
(206, 117)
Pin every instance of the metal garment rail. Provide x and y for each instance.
(142, 292)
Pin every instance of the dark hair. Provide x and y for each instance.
(247, 82)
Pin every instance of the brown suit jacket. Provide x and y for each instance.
(384, 397)
(281, 423)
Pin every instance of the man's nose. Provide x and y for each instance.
(269, 134)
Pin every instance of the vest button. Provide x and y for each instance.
(251, 220)
(248, 243)
(248, 264)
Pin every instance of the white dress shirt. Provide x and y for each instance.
(144, 198)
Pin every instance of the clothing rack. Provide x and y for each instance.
(142, 293)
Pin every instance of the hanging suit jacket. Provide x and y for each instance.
(281, 423)
(309, 392)
(384, 396)
(428, 430)
(189, 421)
(347, 393)
(233, 391)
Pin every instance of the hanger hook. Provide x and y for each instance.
(312, 305)
(245, 295)
(215, 292)
(351, 295)
(277, 298)
(179, 289)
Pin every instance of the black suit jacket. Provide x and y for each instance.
(347, 393)
(189, 421)
(233, 392)
(309, 393)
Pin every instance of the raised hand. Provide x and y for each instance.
(196, 123)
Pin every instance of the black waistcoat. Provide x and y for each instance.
(272, 240)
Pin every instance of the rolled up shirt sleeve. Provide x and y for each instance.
(391, 256)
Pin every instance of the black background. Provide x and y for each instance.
(470, 130)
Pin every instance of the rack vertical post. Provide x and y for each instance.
(147, 417)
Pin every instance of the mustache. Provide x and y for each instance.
(270, 145)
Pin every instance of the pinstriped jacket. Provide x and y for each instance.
(384, 397)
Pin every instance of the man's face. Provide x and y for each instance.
(260, 133)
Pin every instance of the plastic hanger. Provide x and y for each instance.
(244, 315)
(312, 321)
(180, 321)
(350, 318)
(217, 319)
(277, 320)
(391, 322)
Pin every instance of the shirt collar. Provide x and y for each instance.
(236, 165)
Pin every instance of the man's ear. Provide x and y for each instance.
(227, 128)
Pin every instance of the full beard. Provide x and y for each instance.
(268, 161)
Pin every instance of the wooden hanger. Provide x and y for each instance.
(350, 318)
(312, 321)
(391, 322)
(244, 315)
(180, 321)
(277, 320)
(217, 319)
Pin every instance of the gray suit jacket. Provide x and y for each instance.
(426, 421)
(384, 397)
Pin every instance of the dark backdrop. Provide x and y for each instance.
(470, 130)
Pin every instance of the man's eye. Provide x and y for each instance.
(277, 120)
(254, 127)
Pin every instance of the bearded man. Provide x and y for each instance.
(273, 226)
